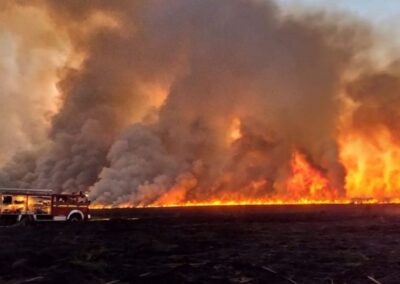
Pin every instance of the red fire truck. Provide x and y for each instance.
(28, 205)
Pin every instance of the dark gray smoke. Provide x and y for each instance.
(149, 111)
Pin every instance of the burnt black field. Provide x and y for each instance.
(238, 244)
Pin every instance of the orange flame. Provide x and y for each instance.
(372, 176)
(307, 181)
(235, 132)
(306, 185)
(373, 165)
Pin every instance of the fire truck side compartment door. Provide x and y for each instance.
(6, 199)
(60, 218)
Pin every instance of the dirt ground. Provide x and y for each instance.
(280, 244)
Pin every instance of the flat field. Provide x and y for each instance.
(238, 244)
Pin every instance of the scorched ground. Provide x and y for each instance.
(242, 244)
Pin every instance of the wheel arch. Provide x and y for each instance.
(29, 216)
(76, 211)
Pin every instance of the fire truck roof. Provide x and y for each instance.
(26, 191)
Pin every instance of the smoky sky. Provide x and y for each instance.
(148, 109)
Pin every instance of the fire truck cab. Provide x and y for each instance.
(26, 205)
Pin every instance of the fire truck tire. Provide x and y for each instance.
(76, 217)
(27, 219)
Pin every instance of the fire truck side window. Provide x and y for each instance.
(82, 199)
(61, 199)
(7, 199)
(71, 199)
(64, 199)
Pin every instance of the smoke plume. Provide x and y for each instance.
(187, 100)
(30, 54)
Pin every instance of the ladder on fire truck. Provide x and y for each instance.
(25, 191)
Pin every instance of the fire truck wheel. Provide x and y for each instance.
(75, 218)
(25, 220)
